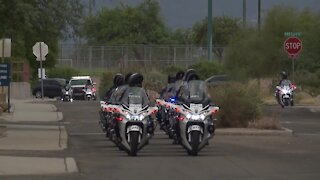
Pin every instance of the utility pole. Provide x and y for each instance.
(210, 30)
(244, 11)
(91, 5)
(259, 15)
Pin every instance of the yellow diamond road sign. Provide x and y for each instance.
(40, 50)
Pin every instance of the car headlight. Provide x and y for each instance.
(188, 116)
(128, 116)
(202, 116)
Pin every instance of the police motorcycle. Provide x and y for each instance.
(88, 94)
(133, 118)
(106, 115)
(167, 116)
(67, 94)
(195, 117)
(285, 93)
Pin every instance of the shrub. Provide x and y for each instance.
(207, 69)
(309, 82)
(239, 104)
(173, 69)
(62, 72)
(106, 82)
(154, 80)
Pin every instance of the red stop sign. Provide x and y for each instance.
(293, 46)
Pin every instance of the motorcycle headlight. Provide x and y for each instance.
(188, 116)
(141, 117)
(128, 116)
(195, 117)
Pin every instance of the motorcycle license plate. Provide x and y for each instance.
(194, 128)
(196, 107)
(67, 93)
(133, 128)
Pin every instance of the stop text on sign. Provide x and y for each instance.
(293, 46)
(296, 45)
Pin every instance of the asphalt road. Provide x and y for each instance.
(227, 157)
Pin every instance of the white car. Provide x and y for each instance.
(78, 83)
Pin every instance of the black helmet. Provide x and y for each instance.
(179, 75)
(118, 80)
(192, 76)
(126, 79)
(188, 73)
(171, 79)
(136, 79)
(284, 75)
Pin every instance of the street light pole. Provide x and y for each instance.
(210, 30)
(259, 15)
(244, 15)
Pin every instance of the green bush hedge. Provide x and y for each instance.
(62, 72)
(239, 104)
(206, 69)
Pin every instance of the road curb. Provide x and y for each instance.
(253, 132)
(3, 130)
(71, 165)
(59, 116)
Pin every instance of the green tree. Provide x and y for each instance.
(224, 29)
(254, 54)
(141, 24)
(29, 21)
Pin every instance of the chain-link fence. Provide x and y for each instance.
(95, 57)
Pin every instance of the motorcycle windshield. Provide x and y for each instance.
(135, 95)
(195, 91)
(285, 83)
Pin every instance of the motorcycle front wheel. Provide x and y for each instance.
(134, 142)
(195, 141)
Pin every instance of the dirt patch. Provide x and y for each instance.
(305, 98)
(266, 123)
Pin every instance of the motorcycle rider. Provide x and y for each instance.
(88, 85)
(118, 92)
(66, 88)
(194, 91)
(118, 80)
(284, 80)
(135, 94)
(166, 92)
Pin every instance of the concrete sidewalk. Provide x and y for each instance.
(33, 111)
(33, 125)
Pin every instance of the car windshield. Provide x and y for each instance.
(61, 81)
(76, 82)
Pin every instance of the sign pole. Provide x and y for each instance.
(2, 60)
(210, 30)
(41, 71)
(293, 59)
(9, 79)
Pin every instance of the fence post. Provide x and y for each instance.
(102, 56)
(174, 55)
(90, 57)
